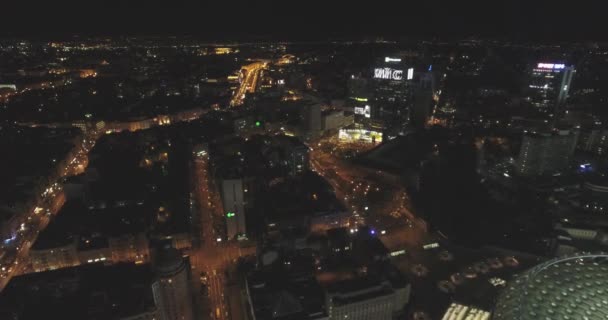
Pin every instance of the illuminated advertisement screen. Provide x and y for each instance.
(359, 135)
(388, 74)
(364, 111)
(410, 73)
(551, 65)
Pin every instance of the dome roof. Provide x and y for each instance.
(568, 288)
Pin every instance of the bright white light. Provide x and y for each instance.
(551, 65)
(389, 59)
(431, 246)
(410, 73)
(218, 239)
(388, 73)
(397, 253)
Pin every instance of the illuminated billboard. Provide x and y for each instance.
(359, 135)
(388, 73)
(364, 111)
(410, 73)
(551, 66)
(389, 59)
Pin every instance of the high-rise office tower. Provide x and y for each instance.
(390, 108)
(233, 198)
(311, 115)
(171, 289)
(546, 153)
(360, 98)
(549, 86)
(423, 99)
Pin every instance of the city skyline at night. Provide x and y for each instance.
(307, 161)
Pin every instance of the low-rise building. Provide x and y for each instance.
(90, 292)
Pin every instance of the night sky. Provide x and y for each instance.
(516, 19)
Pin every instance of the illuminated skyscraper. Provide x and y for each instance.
(390, 108)
(549, 86)
(171, 289)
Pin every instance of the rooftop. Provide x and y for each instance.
(27, 155)
(571, 287)
(76, 221)
(358, 289)
(92, 291)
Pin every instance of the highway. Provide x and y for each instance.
(249, 82)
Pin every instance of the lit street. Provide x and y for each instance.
(374, 198)
(249, 82)
(215, 254)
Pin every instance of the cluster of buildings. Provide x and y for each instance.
(337, 275)
(271, 174)
(394, 96)
(160, 289)
(114, 211)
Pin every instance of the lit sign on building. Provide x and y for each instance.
(389, 59)
(365, 111)
(388, 73)
(397, 253)
(551, 66)
(410, 73)
(431, 246)
(354, 135)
